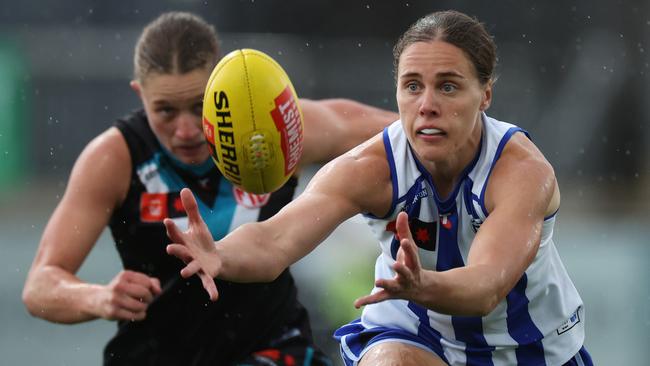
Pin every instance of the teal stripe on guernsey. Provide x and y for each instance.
(200, 169)
(218, 221)
(169, 177)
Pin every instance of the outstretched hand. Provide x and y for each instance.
(195, 247)
(408, 271)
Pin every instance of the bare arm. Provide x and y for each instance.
(521, 191)
(358, 181)
(334, 126)
(98, 183)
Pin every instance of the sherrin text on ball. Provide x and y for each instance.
(252, 121)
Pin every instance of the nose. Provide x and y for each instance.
(429, 105)
(188, 126)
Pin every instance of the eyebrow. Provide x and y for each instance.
(164, 101)
(445, 74)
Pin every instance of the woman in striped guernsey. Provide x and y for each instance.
(463, 206)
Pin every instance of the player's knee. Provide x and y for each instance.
(396, 353)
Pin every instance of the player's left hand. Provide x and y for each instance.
(195, 247)
(407, 267)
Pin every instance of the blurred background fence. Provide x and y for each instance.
(574, 74)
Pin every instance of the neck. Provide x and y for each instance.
(446, 173)
(196, 169)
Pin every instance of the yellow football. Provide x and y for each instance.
(252, 121)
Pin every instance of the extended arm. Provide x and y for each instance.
(334, 126)
(521, 191)
(52, 291)
(356, 182)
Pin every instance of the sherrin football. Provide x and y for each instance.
(252, 121)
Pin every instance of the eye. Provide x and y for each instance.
(412, 86)
(448, 88)
(197, 109)
(166, 111)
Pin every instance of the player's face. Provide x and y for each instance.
(440, 100)
(174, 105)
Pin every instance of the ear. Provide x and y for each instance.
(137, 88)
(487, 97)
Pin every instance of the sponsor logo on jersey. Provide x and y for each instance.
(288, 122)
(420, 195)
(250, 200)
(569, 323)
(155, 207)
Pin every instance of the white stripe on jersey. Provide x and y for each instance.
(243, 215)
(149, 174)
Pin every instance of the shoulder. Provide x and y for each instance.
(104, 166)
(523, 171)
(110, 146)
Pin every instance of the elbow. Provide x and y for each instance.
(487, 305)
(273, 272)
(479, 307)
(270, 276)
(30, 301)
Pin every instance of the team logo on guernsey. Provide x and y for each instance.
(155, 207)
(424, 233)
(250, 200)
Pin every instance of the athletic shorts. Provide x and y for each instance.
(355, 340)
(292, 348)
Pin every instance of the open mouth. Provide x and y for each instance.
(430, 132)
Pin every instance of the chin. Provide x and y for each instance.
(192, 160)
(430, 153)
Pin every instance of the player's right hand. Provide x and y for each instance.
(195, 246)
(127, 296)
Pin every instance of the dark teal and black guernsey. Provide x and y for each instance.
(183, 327)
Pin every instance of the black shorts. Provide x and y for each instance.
(292, 347)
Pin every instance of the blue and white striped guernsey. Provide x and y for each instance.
(541, 320)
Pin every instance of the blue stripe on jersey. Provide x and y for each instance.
(448, 252)
(393, 173)
(426, 332)
(521, 327)
(467, 198)
(467, 329)
(502, 144)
